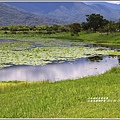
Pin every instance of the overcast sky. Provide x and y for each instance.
(114, 2)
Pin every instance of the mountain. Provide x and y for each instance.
(12, 15)
(34, 13)
(78, 11)
(40, 7)
(46, 7)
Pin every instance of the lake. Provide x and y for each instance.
(56, 70)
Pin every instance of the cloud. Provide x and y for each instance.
(113, 2)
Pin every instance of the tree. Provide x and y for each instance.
(95, 21)
(63, 28)
(5, 28)
(75, 28)
(111, 26)
(13, 29)
(85, 26)
(118, 25)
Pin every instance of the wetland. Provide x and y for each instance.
(54, 60)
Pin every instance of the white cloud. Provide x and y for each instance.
(113, 2)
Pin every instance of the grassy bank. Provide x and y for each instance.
(111, 38)
(92, 37)
(64, 99)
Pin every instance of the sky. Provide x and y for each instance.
(114, 2)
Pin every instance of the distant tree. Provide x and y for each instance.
(23, 28)
(118, 25)
(63, 28)
(75, 28)
(95, 21)
(42, 29)
(4, 28)
(85, 26)
(55, 27)
(105, 22)
(111, 26)
(13, 29)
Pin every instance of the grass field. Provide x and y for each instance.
(64, 99)
(83, 37)
(92, 37)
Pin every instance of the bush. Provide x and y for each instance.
(5, 32)
(13, 32)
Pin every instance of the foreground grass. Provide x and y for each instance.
(64, 99)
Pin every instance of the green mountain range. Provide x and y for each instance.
(12, 15)
(34, 13)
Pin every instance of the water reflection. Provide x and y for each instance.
(59, 71)
(119, 59)
(95, 58)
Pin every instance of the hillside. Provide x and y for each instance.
(34, 13)
(79, 10)
(40, 7)
(12, 15)
(70, 12)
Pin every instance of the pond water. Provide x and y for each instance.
(60, 70)
(63, 70)
(7, 40)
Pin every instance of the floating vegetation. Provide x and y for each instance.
(15, 45)
(24, 53)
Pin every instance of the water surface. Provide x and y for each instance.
(7, 40)
(57, 71)
(60, 70)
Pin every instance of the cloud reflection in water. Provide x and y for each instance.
(59, 71)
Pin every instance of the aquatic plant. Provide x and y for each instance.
(24, 53)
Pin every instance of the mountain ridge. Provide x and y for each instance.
(34, 13)
(79, 10)
(12, 15)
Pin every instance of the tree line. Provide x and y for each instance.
(94, 23)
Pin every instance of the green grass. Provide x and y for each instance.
(64, 99)
(98, 38)
(92, 37)
(111, 38)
